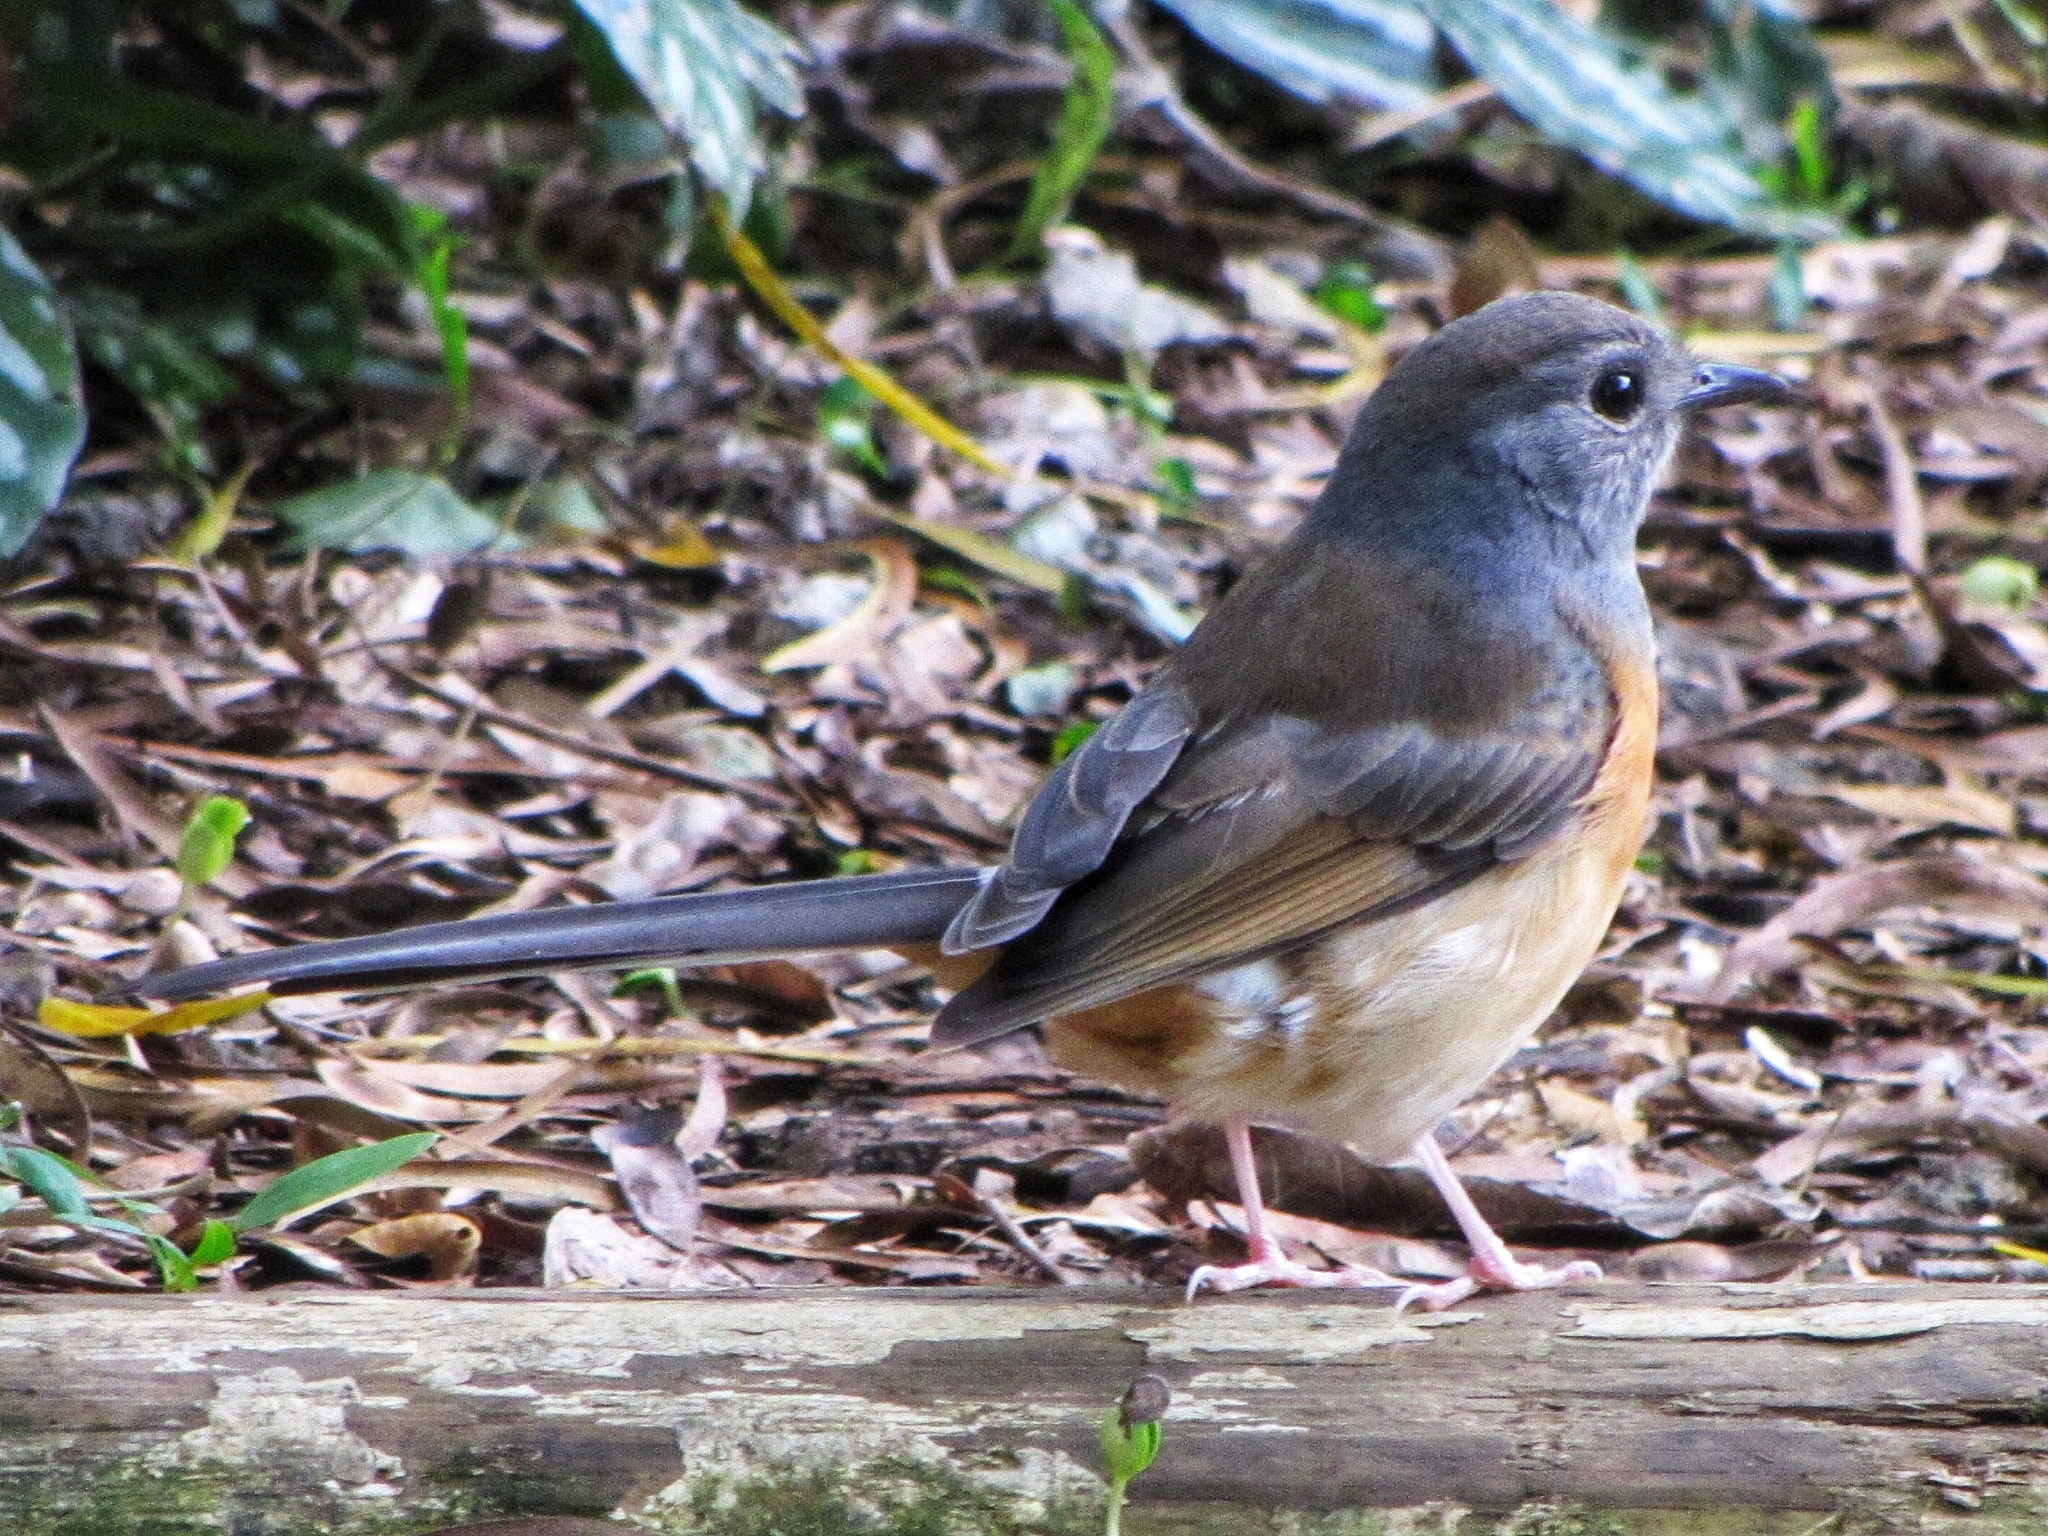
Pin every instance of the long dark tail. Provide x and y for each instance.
(712, 928)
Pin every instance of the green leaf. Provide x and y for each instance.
(1998, 581)
(1374, 53)
(1070, 738)
(450, 324)
(172, 1267)
(51, 1179)
(707, 67)
(655, 978)
(165, 366)
(1586, 90)
(1346, 292)
(327, 1178)
(1809, 151)
(216, 1244)
(1127, 1450)
(42, 424)
(1177, 484)
(845, 420)
(208, 842)
(418, 515)
(1086, 116)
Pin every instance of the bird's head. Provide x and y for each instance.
(1549, 408)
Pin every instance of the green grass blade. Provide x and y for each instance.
(1086, 117)
(328, 1177)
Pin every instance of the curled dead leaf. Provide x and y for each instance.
(872, 621)
(447, 1241)
(50, 1101)
(1957, 805)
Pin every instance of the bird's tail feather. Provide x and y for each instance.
(709, 928)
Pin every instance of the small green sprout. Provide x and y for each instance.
(845, 420)
(1998, 581)
(1070, 739)
(207, 845)
(1086, 116)
(1346, 292)
(1176, 488)
(661, 978)
(430, 270)
(1130, 1439)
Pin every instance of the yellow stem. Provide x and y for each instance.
(762, 278)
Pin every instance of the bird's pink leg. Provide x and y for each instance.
(1267, 1264)
(1492, 1267)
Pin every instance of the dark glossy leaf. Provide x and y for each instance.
(42, 424)
(707, 67)
(1374, 53)
(1586, 90)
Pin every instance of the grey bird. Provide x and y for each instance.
(1351, 844)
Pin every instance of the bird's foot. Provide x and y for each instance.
(1269, 1266)
(1495, 1272)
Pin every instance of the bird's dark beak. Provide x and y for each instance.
(1729, 384)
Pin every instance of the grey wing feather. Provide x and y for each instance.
(1075, 819)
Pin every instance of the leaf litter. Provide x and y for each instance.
(1814, 1045)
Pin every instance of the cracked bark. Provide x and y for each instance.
(1744, 1409)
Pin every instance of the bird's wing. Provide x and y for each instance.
(1264, 835)
(1076, 818)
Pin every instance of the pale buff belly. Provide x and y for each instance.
(1372, 1034)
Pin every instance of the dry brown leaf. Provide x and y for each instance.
(1499, 261)
(1580, 1114)
(1959, 805)
(2000, 1124)
(874, 619)
(361, 1084)
(586, 1249)
(449, 1242)
(1843, 901)
(50, 1101)
(532, 1178)
(472, 1080)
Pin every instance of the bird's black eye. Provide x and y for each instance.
(1617, 394)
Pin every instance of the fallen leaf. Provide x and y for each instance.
(49, 1100)
(1958, 805)
(1948, 880)
(873, 620)
(96, 1020)
(447, 1241)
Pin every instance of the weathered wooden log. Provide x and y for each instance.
(1708, 1410)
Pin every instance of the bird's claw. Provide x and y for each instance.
(1495, 1274)
(1269, 1266)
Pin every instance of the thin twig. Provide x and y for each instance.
(1020, 1239)
(571, 741)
